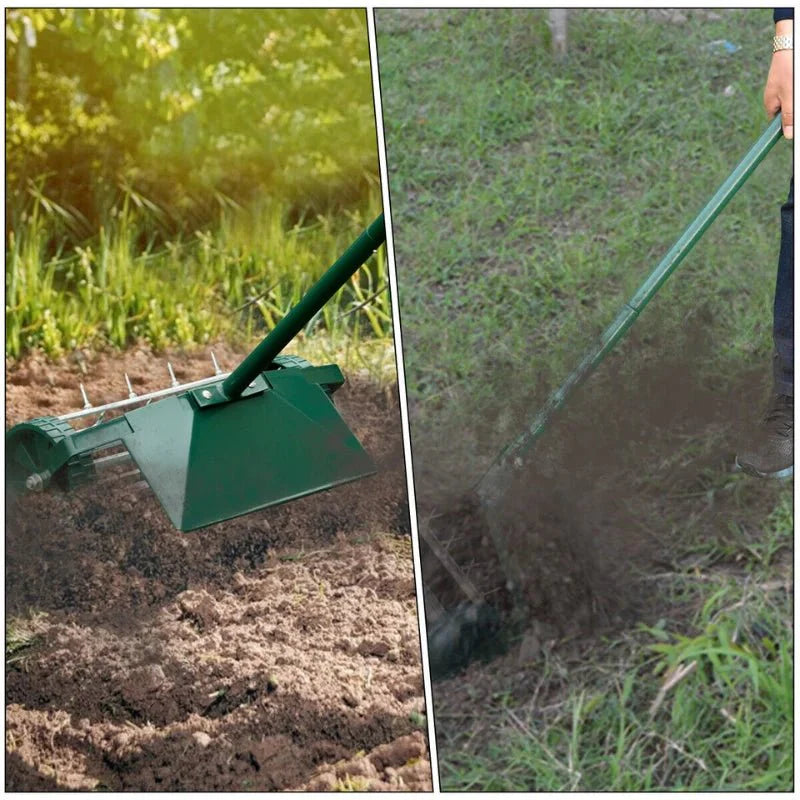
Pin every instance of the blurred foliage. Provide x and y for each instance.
(182, 112)
(175, 175)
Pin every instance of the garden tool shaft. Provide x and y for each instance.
(492, 486)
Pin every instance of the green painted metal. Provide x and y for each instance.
(491, 487)
(214, 463)
(213, 453)
(41, 450)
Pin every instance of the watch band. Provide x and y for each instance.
(782, 43)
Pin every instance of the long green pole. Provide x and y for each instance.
(311, 302)
(492, 485)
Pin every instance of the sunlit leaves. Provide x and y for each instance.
(182, 103)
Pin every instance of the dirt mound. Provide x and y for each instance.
(297, 665)
(257, 654)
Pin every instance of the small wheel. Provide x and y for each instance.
(28, 457)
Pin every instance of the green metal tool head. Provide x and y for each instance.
(282, 439)
(265, 434)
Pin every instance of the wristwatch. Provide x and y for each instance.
(782, 43)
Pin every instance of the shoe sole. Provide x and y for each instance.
(781, 474)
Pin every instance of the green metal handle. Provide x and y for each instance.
(490, 485)
(312, 301)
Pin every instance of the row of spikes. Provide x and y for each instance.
(175, 387)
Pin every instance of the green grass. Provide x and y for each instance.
(22, 636)
(698, 703)
(236, 280)
(529, 199)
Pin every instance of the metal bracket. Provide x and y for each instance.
(213, 395)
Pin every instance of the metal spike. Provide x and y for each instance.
(86, 403)
(217, 370)
(131, 394)
(172, 375)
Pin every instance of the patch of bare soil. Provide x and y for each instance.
(275, 651)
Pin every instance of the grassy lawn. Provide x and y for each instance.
(529, 199)
(701, 700)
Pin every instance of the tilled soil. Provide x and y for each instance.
(275, 651)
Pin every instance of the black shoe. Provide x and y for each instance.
(770, 451)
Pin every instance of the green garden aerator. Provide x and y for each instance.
(217, 448)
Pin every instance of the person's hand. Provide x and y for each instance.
(778, 91)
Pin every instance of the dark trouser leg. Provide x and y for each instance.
(783, 313)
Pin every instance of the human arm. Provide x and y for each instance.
(778, 94)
